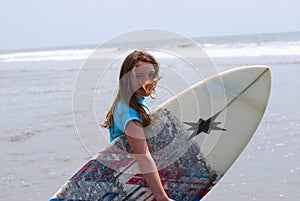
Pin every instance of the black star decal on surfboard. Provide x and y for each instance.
(205, 126)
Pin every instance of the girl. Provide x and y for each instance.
(129, 113)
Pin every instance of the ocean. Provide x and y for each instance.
(41, 139)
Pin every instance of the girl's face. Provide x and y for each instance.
(142, 74)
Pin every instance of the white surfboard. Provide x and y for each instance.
(194, 138)
(238, 97)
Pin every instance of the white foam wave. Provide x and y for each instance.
(50, 55)
(66, 55)
(284, 50)
(253, 49)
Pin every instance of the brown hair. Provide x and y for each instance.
(125, 91)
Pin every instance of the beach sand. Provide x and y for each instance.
(40, 147)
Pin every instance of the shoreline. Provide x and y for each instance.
(41, 148)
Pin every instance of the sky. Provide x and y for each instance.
(31, 24)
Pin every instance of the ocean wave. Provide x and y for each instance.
(52, 55)
(253, 49)
(287, 51)
(267, 53)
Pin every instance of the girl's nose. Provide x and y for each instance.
(143, 78)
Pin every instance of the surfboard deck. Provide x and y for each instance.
(194, 138)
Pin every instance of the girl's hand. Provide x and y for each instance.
(164, 199)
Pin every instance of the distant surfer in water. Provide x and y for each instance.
(129, 113)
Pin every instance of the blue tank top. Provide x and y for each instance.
(123, 114)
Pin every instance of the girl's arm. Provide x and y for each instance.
(136, 138)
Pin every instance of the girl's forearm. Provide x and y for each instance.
(155, 185)
(149, 170)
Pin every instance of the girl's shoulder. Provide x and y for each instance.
(123, 108)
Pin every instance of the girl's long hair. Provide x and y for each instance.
(125, 91)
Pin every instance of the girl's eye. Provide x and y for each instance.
(139, 76)
(151, 75)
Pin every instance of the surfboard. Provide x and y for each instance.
(194, 138)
